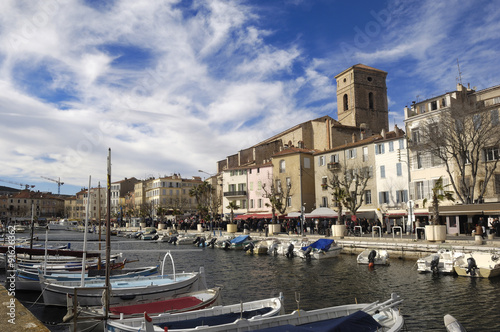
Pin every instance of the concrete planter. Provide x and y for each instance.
(127, 225)
(142, 224)
(338, 231)
(232, 228)
(200, 227)
(435, 233)
(274, 229)
(161, 226)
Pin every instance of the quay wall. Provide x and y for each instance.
(15, 317)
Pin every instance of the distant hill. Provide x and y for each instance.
(8, 190)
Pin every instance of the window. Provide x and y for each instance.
(251, 186)
(419, 189)
(401, 144)
(401, 196)
(324, 183)
(346, 101)
(278, 185)
(419, 160)
(243, 203)
(370, 100)
(491, 153)
(383, 197)
(232, 187)
(288, 182)
(289, 201)
(494, 117)
(259, 185)
(259, 203)
(307, 163)
(379, 148)
(399, 169)
(321, 161)
(365, 153)
(415, 136)
(324, 201)
(391, 146)
(443, 102)
(368, 197)
(476, 119)
(251, 203)
(497, 183)
(282, 166)
(434, 105)
(351, 153)
(334, 158)
(382, 171)
(422, 109)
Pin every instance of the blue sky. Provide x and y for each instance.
(174, 86)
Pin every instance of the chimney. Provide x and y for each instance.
(383, 133)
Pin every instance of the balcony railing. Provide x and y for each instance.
(235, 193)
(334, 166)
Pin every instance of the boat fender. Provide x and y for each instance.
(289, 252)
(435, 264)
(471, 266)
(371, 256)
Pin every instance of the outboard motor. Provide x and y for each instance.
(202, 241)
(289, 251)
(307, 253)
(249, 247)
(197, 240)
(435, 264)
(173, 240)
(371, 256)
(226, 245)
(212, 242)
(471, 266)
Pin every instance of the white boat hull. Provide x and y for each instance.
(487, 265)
(441, 262)
(125, 289)
(381, 257)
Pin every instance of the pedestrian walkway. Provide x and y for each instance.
(15, 316)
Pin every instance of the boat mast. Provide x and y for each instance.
(84, 258)
(108, 236)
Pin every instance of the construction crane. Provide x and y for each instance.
(26, 186)
(58, 181)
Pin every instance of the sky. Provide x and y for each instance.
(175, 86)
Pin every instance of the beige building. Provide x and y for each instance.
(426, 168)
(24, 204)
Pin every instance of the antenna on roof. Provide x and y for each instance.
(459, 78)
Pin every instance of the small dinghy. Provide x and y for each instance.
(375, 256)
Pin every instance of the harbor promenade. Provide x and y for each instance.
(16, 317)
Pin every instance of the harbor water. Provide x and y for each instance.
(306, 284)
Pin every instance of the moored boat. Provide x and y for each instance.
(442, 261)
(320, 249)
(193, 320)
(375, 256)
(382, 317)
(136, 288)
(478, 264)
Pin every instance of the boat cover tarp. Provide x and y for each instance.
(321, 244)
(214, 320)
(239, 239)
(359, 321)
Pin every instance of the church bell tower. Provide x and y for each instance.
(362, 98)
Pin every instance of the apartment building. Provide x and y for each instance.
(25, 203)
(472, 114)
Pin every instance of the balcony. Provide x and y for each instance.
(334, 166)
(235, 193)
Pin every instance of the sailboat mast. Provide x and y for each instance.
(84, 258)
(108, 235)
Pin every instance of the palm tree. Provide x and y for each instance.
(232, 206)
(439, 194)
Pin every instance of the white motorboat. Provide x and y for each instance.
(263, 247)
(193, 320)
(478, 264)
(375, 256)
(382, 317)
(320, 249)
(452, 324)
(290, 248)
(442, 261)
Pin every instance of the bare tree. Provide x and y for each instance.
(466, 140)
(277, 195)
(348, 184)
